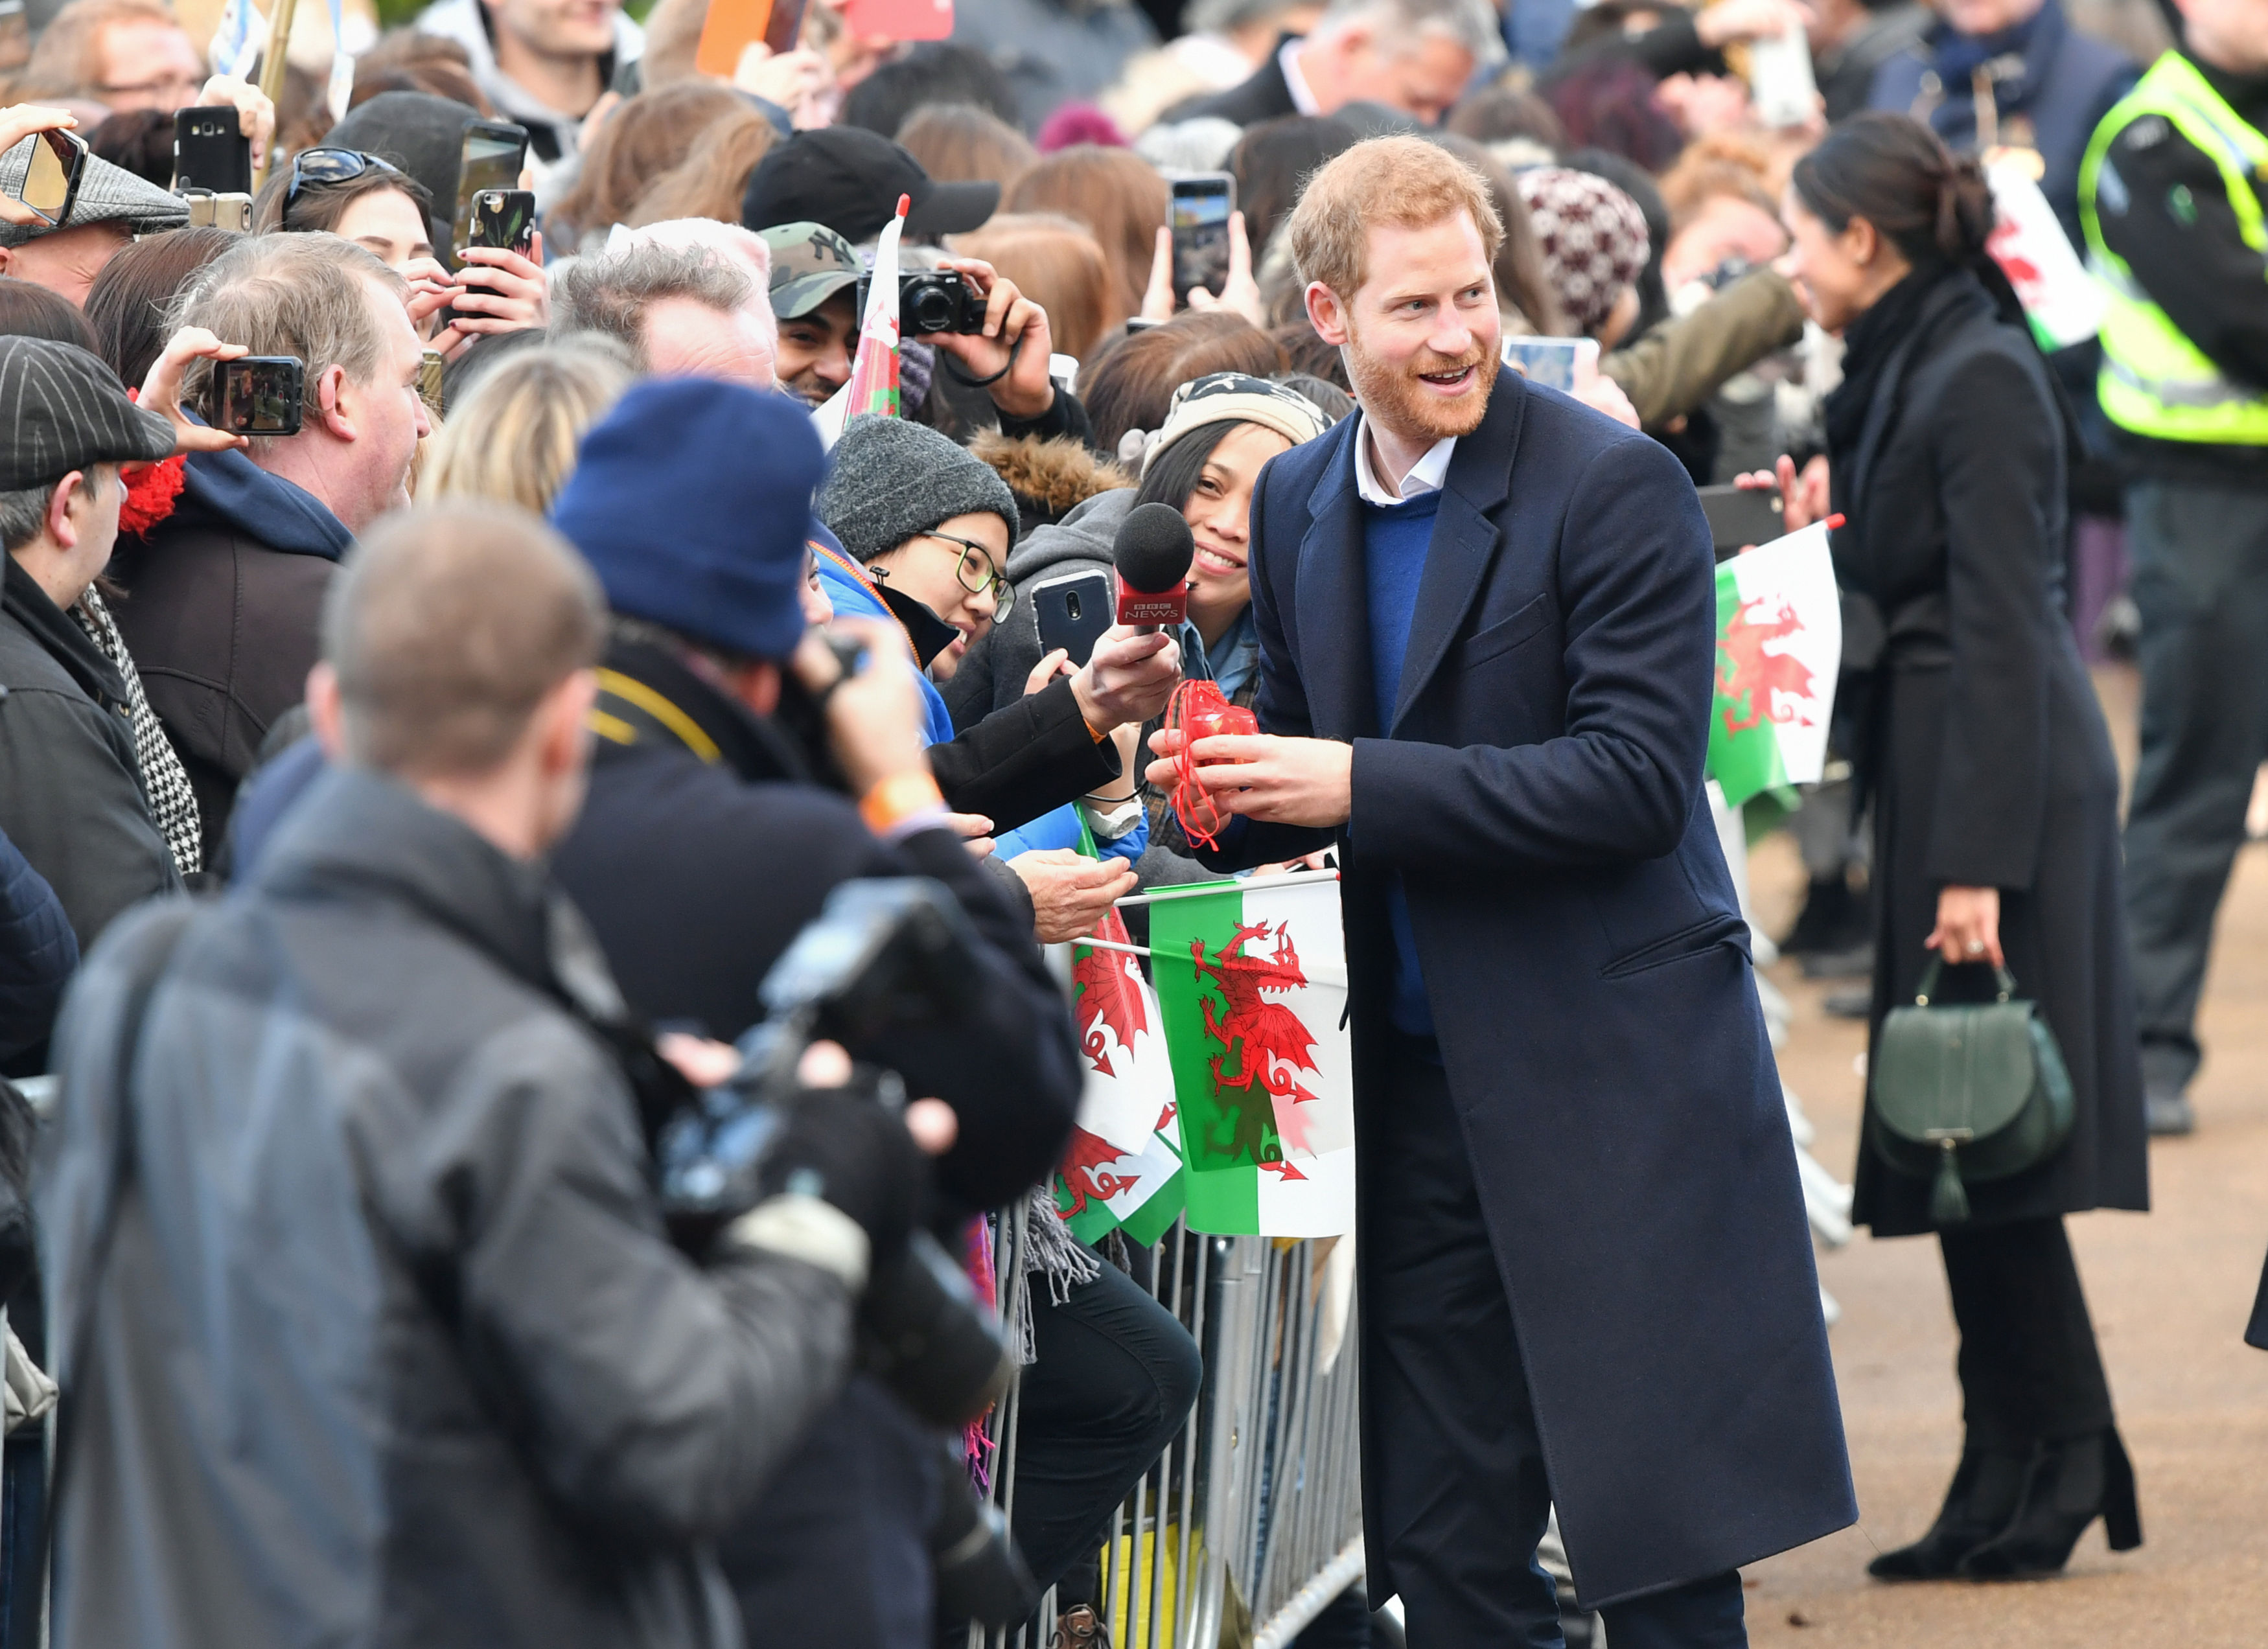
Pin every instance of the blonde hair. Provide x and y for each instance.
(1056, 263)
(1408, 182)
(514, 436)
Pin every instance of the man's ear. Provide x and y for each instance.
(566, 715)
(333, 395)
(326, 715)
(1327, 314)
(60, 528)
(7, 260)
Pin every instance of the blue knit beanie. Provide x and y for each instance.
(691, 500)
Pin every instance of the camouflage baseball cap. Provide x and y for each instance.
(810, 264)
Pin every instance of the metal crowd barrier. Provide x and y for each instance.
(1251, 1521)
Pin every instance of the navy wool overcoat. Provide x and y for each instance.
(1540, 792)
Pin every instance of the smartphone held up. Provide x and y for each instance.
(261, 395)
(43, 173)
(1198, 216)
(494, 154)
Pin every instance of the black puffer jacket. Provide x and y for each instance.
(390, 1347)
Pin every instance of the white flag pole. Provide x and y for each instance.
(1196, 890)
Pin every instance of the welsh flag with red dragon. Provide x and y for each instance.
(1251, 977)
(1121, 1169)
(1779, 642)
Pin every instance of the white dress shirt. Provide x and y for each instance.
(1425, 476)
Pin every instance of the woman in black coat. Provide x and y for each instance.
(1995, 802)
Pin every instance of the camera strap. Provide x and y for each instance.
(967, 382)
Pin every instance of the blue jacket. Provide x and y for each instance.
(38, 953)
(2053, 102)
(1540, 792)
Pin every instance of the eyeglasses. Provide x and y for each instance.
(324, 167)
(977, 572)
(171, 92)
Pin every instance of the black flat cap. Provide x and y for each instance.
(849, 180)
(61, 409)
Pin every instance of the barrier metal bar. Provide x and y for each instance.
(1249, 1523)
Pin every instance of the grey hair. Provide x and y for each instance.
(1226, 16)
(1472, 24)
(24, 512)
(609, 293)
(303, 295)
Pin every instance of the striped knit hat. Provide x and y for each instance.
(1236, 397)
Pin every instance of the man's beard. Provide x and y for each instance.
(1392, 395)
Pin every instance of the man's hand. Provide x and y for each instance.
(1128, 677)
(1014, 325)
(161, 390)
(874, 717)
(1069, 891)
(255, 115)
(1603, 394)
(1275, 780)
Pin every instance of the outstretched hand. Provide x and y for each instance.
(161, 390)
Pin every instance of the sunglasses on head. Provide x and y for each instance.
(322, 167)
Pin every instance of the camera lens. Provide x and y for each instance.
(932, 310)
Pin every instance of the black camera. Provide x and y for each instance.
(880, 954)
(932, 300)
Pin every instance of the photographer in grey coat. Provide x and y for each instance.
(369, 1326)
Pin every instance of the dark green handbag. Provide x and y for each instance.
(1967, 1093)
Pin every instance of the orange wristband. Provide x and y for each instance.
(894, 800)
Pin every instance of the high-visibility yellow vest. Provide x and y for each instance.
(2154, 381)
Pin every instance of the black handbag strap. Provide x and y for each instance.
(1927, 988)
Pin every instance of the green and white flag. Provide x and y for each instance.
(1252, 980)
(1779, 642)
(1121, 1169)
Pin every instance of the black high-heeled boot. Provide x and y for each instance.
(2068, 1486)
(1987, 1491)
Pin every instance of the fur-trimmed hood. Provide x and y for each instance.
(1050, 478)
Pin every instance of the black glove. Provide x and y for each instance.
(843, 1145)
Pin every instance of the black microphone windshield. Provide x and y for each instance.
(1153, 548)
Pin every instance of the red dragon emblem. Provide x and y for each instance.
(1748, 677)
(1107, 995)
(1086, 1171)
(1269, 1042)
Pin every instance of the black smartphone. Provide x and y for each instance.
(1739, 517)
(1198, 213)
(494, 154)
(210, 153)
(49, 182)
(1073, 611)
(261, 394)
(505, 218)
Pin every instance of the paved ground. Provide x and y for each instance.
(2170, 1292)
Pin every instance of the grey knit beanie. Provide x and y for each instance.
(893, 478)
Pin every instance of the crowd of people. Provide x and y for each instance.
(510, 713)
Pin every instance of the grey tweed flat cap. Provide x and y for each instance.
(107, 195)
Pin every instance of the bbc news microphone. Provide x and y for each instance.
(1152, 555)
(1137, 662)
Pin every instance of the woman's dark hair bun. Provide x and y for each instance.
(1898, 174)
(1964, 209)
